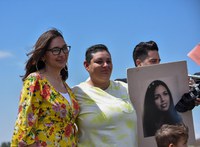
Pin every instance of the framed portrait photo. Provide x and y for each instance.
(154, 91)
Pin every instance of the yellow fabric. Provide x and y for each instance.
(44, 117)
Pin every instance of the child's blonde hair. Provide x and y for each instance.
(168, 134)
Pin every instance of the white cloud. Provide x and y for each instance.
(197, 135)
(4, 54)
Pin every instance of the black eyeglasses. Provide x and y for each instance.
(57, 50)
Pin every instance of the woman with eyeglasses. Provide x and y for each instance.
(47, 107)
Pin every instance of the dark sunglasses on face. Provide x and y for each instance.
(57, 50)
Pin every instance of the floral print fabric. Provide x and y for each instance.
(45, 117)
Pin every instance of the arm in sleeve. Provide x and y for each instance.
(24, 131)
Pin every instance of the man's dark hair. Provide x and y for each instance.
(141, 50)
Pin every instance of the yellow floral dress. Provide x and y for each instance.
(45, 117)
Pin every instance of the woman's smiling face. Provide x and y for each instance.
(100, 67)
(162, 98)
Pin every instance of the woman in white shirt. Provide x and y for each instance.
(107, 117)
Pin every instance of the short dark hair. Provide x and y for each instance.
(141, 50)
(171, 134)
(93, 49)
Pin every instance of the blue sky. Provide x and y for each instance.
(120, 24)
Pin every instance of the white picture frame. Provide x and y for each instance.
(175, 76)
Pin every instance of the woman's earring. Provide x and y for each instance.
(43, 60)
(65, 68)
(36, 66)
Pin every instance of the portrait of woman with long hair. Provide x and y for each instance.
(158, 108)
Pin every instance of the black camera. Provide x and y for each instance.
(195, 91)
(187, 101)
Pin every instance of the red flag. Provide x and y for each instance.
(194, 54)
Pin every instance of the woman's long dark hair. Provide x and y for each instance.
(35, 62)
(153, 118)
